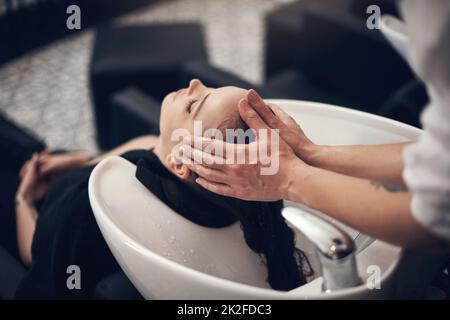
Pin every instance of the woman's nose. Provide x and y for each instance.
(194, 85)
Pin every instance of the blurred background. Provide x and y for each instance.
(94, 88)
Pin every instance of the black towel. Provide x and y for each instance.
(67, 233)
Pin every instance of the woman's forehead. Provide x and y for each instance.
(221, 104)
(224, 99)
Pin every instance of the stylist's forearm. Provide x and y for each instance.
(364, 205)
(373, 162)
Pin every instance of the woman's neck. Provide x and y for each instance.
(161, 152)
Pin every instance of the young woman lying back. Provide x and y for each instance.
(63, 230)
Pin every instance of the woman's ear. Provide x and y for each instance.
(178, 168)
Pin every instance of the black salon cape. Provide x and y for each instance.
(67, 233)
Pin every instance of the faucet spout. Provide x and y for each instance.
(334, 247)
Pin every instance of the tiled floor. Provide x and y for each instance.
(47, 91)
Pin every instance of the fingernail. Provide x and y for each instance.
(271, 109)
(247, 107)
(253, 95)
(244, 103)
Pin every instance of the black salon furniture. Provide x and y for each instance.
(146, 57)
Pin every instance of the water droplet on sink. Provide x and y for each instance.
(172, 239)
(191, 251)
(208, 268)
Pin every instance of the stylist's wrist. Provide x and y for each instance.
(313, 154)
(299, 172)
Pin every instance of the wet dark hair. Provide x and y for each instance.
(267, 234)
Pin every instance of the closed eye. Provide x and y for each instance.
(189, 105)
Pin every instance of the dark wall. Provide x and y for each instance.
(27, 24)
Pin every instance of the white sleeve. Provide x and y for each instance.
(427, 162)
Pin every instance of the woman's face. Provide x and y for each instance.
(211, 106)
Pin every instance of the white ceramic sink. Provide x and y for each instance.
(167, 261)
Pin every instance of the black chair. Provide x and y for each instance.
(134, 113)
(326, 45)
(145, 57)
(26, 25)
(11, 273)
(406, 104)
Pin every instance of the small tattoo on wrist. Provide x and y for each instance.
(389, 187)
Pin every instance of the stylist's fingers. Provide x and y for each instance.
(190, 155)
(289, 130)
(283, 116)
(264, 110)
(251, 117)
(218, 188)
(212, 175)
(273, 115)
(203, 143)
(276, 118)
(215, 147)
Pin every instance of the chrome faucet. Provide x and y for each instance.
(334, 247)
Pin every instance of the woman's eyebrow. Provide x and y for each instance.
(200, 104)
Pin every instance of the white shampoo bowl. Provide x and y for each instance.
(168, 257)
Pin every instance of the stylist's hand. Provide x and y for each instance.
(243, 181)
(289, 130)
